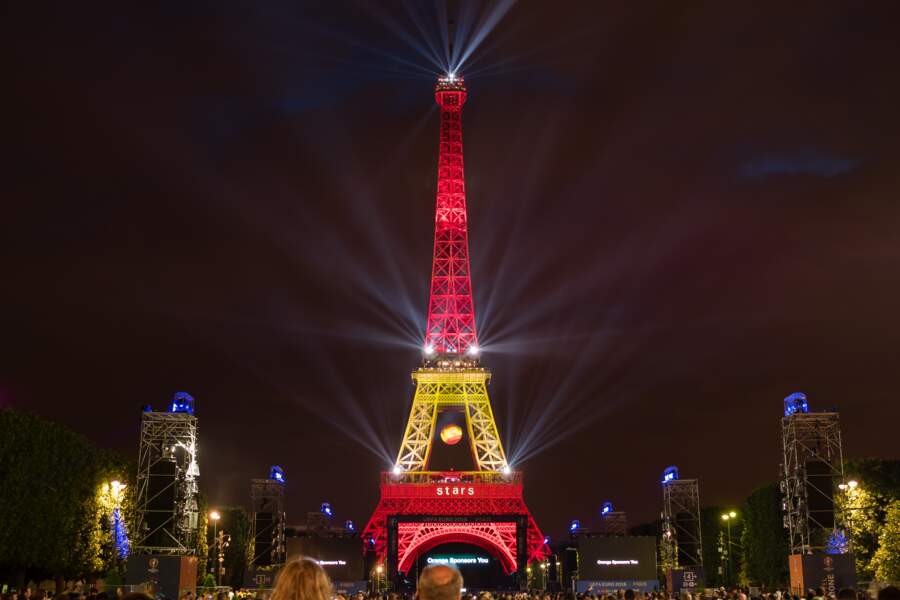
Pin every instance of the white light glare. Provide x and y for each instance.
(397, 470)
(451, 76)
(429, 350)
(506, 470)
(473, 350)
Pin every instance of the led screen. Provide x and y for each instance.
(340, 557)
(613, 558)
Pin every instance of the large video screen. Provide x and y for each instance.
(341, 558)
(612, 558)
(480, 570)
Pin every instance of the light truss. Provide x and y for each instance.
(614, 523)
(810, 438)
(167, 437)
(267, 496)
(682, 546)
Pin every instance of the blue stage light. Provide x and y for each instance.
(795, 403)
(182, 402)
(148, 408)
(575, 525)
(326, 509)
(276, 473)
(348, 525)
(546, 540)
(670, 474)
(606, 508)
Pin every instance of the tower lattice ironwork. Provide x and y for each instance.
(452, 378)
(681, 535)
(451, 312)
(267, 522)
(167, 476)
(812, 464)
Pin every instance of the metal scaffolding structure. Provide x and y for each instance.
(167, 484)
(813, 460)
(267, 522)
(613, 523)
(682, 545)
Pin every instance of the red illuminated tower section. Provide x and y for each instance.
(451, 313)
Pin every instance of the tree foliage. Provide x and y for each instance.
(710, 525)
(765, 544)
(886, 561)
(865, 506)
(202, 543)
(236, 523)
(51, 509)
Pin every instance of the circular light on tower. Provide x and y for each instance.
(473, 350)
(451, 434)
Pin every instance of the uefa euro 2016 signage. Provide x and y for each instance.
(454, 490)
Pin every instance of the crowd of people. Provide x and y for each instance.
(304, 579)
(77, 592)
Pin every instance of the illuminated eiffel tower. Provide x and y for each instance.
(421, 508)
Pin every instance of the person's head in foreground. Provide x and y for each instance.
(437, 582)
(302, 579)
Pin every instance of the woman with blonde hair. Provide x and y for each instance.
(302, 579)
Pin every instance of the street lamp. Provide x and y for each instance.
(728, 518)
(214, 516)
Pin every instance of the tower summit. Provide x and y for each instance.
(450, 332)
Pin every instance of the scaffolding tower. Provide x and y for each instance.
(167, 482)
(813, 460)
(612, 522)
(267, 521)
(682, 545)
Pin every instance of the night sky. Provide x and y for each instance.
(679, 214)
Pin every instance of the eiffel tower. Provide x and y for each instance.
(421, 507)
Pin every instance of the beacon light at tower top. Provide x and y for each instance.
(670, 474)
(796, 403)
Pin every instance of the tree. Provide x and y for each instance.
(886, 562)
(865, 506)
(50, 506)
(710, 526)
(765, 544)
(236, 523)
(202, 544)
